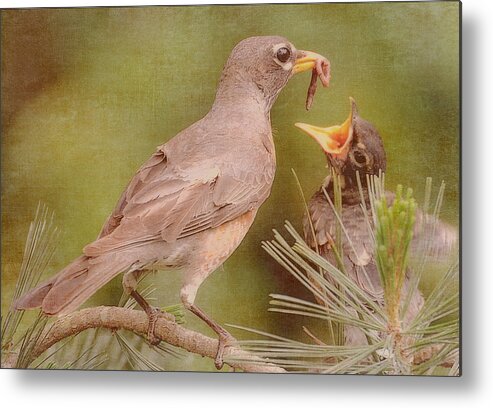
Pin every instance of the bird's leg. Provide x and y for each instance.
(130, 281)
(225, 339)
(152, 315)
(192, 282)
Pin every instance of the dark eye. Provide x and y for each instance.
(283, 54)
(359, 157)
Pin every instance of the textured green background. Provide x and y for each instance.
(87, 94)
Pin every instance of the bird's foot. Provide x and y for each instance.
(225, 340)
(153, 314)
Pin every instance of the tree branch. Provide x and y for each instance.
(116, 318)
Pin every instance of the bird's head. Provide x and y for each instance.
(265, 64)
(354, 146)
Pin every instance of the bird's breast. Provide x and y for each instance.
(217, 244)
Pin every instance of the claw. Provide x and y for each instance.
(225, 340)
(153, 315)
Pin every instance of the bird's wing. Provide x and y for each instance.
(318, 223)
(321, 226)
(357, 249)
(167, 202)
(156, 164)
(434, 238)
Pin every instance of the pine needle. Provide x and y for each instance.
(346, 303)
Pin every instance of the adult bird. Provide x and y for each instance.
(355, 147)
(191, 204)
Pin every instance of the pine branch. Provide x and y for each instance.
(117, 318)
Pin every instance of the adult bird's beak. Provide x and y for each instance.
(308, 60)
(334, 140)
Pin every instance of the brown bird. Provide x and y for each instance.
(191, 204)
(351, 148)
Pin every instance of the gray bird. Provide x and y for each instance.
(191, 204)
(351, 148)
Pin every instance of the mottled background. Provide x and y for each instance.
(87, 94)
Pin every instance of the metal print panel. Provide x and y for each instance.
(261, 188)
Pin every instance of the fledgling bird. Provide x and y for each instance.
(191, 204)
(351, 148)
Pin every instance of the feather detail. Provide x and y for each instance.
(73, 285)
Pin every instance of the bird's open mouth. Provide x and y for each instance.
(334, 140)
(320, 67)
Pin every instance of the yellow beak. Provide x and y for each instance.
(334, 140)
(306, 61)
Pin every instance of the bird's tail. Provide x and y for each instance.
(73, 285)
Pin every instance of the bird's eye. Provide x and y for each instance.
(359, 157)
(283, 54)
